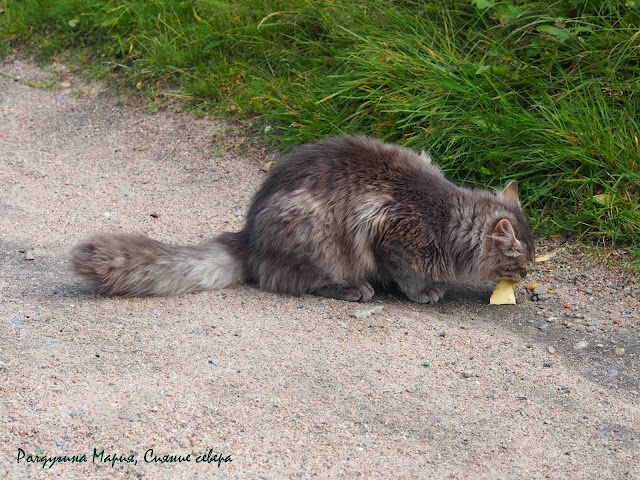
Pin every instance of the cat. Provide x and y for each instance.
(334, 218)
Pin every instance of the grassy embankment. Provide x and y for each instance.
(544, 92)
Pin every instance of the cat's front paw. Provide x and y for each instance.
(429, 295)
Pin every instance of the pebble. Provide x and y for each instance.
(612, 373)
(366, 312)
(467, 373)
(543, 327)
(29, 256)
(618, 351)
(548, 364)
(3, 366)
(580, 345)
(128, 416)
(551, 350)
(539, 290)
(17, 319)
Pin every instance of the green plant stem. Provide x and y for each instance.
(47, 86)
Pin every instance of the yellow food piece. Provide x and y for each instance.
(548, 256)
(503, 294)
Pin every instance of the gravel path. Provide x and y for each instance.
(239, 383)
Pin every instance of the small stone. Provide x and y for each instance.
(552, 319)
(238, 214)
(569, 324)
(29, 255)
(618, 351)
(366, 312)
(17, 319)
(128, 416)
(599, 345)
(548, 364)
(467, 373)
(551, 350)
(106, 214)
(617, 321)
(580, 345)
(548, 314)
(543, 327)
(591, 328)
(442, 334)
(612, 373)
(213, 362)
(189, 168)
(539, 290)
(3, 366)
(426, 363)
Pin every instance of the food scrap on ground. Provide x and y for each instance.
(503, 294)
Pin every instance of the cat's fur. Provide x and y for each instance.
(333, 218)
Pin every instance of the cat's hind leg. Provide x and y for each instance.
(362, 292)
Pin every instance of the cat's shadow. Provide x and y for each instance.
(456, 294)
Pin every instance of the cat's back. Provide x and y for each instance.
(348, 165)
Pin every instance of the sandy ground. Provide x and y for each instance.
(279, 387)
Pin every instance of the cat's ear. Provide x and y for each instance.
(510, 192)
(504, 237)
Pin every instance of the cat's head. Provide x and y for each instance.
(508, 249)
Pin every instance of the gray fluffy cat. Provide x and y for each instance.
(334, 218)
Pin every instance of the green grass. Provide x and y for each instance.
(543, 92)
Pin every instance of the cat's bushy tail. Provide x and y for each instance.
(130, 264)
